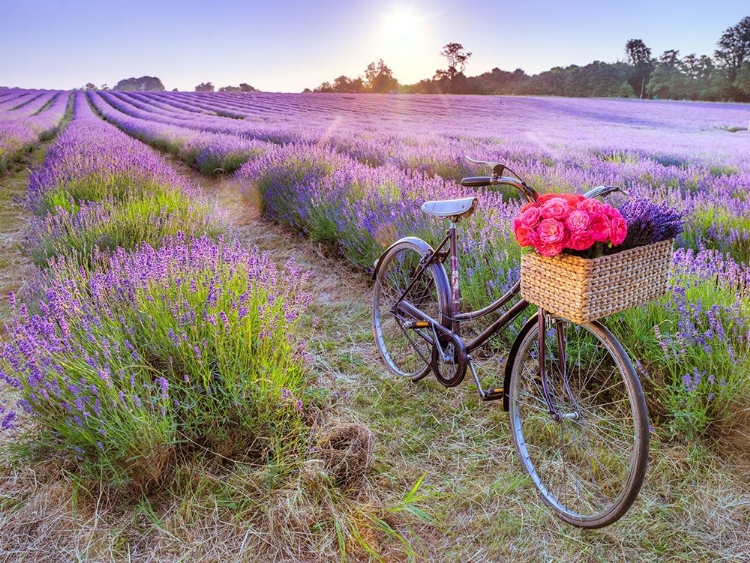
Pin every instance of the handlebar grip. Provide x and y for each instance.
(476, 181)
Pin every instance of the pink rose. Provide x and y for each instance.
(556, 208)
(610, 211)
(572, 199)
(525, 236)
(552, 249)
(551, 231)
(580, 241)
(591, 205)
(531, 217)
(618, 230)
(544, 198)
(599, 227)
(577, 221)
(528, 206)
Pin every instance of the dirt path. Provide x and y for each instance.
(15, 268)
(341, 295)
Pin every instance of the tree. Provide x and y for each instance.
(205, 87)
(637, 52)
(104, 87)
(742, 82)
(696, 75)
(734, 48)
(669, 57)
(143, 83)
(343, 84)
(229, 89)
(325, 88)
(639, 57)
(379, 78)
(456, 57)
(90, 86)
(245, 87)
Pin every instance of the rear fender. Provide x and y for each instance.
(422, 245)
(424, 248)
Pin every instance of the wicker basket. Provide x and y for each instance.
(583, 290)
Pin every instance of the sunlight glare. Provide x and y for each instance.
(402, 24)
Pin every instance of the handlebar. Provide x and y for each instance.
(483, 181)
(497, 179)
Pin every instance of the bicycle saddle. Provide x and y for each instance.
(454, 209)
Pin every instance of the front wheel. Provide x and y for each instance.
(588, 464)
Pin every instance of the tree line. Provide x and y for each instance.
(154, 84)
(723, 77)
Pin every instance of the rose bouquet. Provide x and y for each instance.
(557, 222)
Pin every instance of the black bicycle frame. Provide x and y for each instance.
(456, 318)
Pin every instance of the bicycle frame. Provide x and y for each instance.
(456, 317)
(450, 325)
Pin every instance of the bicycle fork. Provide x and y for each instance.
(562, 361)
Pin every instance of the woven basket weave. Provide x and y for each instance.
(583, 290)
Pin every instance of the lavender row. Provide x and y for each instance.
(209, 152)
(36, 120)
(120, 366)
(92, 161)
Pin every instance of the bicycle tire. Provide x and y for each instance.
(588, 470)
(404, 351)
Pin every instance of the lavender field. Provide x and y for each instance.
(352, 171)
(149, 317)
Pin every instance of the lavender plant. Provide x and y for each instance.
(192, 343)
(93, 230)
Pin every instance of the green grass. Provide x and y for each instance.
(98, 229)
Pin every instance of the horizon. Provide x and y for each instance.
(180, 42)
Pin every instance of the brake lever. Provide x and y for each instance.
(601, 191)
(497, 168)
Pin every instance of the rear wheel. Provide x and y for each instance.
(406, 351)
(588, 465)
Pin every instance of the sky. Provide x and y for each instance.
(286, 46)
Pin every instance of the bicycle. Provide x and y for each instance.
(578, 416)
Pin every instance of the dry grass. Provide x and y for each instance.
(694, 506)
(14, 267)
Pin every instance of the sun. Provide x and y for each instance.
(401, 24)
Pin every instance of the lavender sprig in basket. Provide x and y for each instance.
(648, 223)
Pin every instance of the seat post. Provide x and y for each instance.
(455, 290)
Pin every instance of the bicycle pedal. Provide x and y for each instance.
(493, 394)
